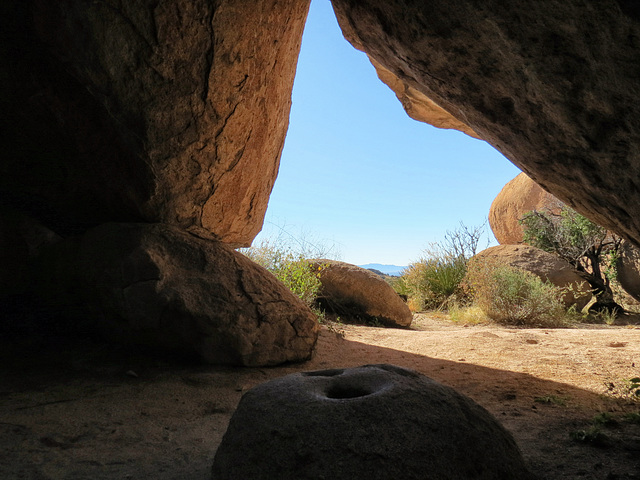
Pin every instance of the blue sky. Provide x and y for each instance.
(358, 174)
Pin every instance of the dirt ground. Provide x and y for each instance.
(72, 409)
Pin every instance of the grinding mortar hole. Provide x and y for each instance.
(333, 372)
(347, 391)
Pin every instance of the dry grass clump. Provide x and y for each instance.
(470, 315)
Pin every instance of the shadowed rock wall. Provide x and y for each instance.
(551, 84)
(169, 113)
(154, 110)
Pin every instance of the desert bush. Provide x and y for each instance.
(413, 285)
(434, 280)
(634, 386)
(430, 282)
(628, 389)
(399, 284)
(513, 296)
(444, 274)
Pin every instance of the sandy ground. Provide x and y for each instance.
(84, 410)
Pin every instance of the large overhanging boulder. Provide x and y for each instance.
(170, 111)
(552, 85)
(418, 106)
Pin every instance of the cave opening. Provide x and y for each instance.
(361, 178)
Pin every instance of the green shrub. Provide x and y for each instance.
(551, 400)
(593, 436)
(513, 296)
(399, 284)
(605, 419)
(628, 389)
(413, 284)
(632, 417)
(634, 386)
(289, 267)
(444, 275)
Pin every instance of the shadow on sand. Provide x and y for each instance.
(74, 408)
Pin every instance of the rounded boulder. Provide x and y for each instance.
(519, 196)
(355, 292)
(629, 270)
(176, 291)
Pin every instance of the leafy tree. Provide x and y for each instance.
(589, 248)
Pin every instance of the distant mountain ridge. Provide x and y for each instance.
(394, 270)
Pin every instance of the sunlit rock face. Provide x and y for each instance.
(553, 85)
(628, 270)
(358, 294)
(146, 110)
(518, 197)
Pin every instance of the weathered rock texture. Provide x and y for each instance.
(374, 422)
(545, 265)
(157, 285)
(171, 111)
(629, 270)
(553, 85)
(519, 196)
(418, 106)
(352, 291)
